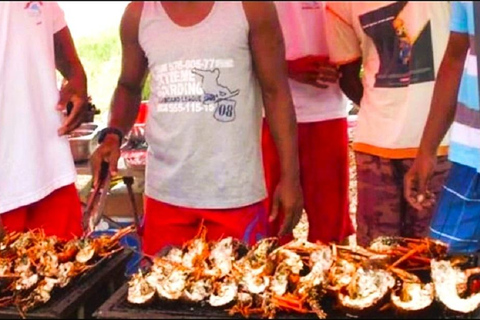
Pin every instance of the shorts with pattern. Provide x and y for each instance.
(382, 209)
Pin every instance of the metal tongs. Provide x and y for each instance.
(96, 202)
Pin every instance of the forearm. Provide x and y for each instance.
(350, 81)
(280, 116)
(445, 93)
(67, 61)
(443, 106)
(124, 108)
(74, 73)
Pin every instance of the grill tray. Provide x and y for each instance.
(117, 307)
(81, 297)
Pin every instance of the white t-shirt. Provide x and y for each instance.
(401, 45)
(34, 160)
(303, 26)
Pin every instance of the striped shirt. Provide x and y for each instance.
(465, 134)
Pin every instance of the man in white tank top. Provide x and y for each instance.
(212, 65)
(37, 173)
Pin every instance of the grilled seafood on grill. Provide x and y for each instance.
(32, 265)
(197, 290)
(367, 290)
(266, 278)
(409, 253)
(411, 295)
(139, 290)
(196, 250)
(223, 292)
(222, 257)
(451, 286)
(101, 246)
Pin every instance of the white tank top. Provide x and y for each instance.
(204, 121)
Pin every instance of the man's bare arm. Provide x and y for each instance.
(445, 93)
(350, 81)
(268, 52)
(66, 58)
(128, 93)
(440, 118)
(69, 65)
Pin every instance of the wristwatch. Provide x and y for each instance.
(103, 133)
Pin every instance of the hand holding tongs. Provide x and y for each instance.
(96, 202)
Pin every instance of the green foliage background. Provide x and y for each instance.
(101, 57)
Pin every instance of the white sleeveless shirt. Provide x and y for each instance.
(205, 111)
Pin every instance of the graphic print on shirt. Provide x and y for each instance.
(215, 93)
(403, 43)
(34, 10)
(194, 86)
(307, 5)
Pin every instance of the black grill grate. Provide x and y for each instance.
(86, 293)
(117, 307)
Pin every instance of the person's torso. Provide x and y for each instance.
(34, 159)
(465, 136)
(203, 126)
(303, 27)
(402, 45)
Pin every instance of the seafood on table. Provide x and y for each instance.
(33, 265)
(403, 274)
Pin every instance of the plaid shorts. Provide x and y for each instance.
(457, 217)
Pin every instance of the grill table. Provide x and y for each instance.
(84, 295)
(117, 307)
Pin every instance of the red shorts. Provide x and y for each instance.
(168, 225)
(323, 154)
(58, 214)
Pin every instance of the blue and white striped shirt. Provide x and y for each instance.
(465, 134)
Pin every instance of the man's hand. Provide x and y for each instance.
(313, 70)
(287, 197)
(416, 182)
(108, 151)
(77, 94)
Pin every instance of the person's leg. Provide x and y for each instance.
(271, 165)
(15, 220)
(456, 219)
(417, 222)
(379, 198)
(248, 224)
(324, 169)
(166, 225)
(58, 214)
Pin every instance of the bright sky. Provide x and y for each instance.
(85, 18)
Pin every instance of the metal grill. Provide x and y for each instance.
(117, 307)
(84, 295)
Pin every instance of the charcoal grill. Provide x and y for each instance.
(117, 307)
(84, 295)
